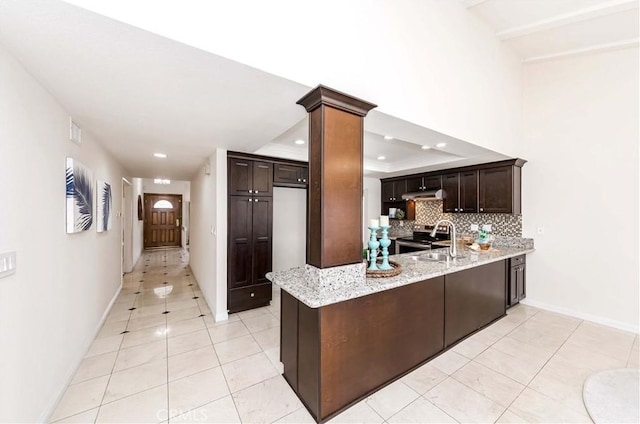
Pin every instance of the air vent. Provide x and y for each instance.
(75, 132)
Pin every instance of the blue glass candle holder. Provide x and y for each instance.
(373, 249)
(385, 242)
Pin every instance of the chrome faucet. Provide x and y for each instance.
(453, 252)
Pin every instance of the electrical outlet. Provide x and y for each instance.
(487, 227)
(474, 227)
(7, 263)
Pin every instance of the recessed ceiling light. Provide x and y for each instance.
(426, 147)
(160, 155)
(162, 181)
(299, 141)
(388, 137)
(381, 157)
(441, 144)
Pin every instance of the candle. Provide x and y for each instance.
(384, 221)
(373, 223)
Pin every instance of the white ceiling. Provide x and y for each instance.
(144, 93)
(544, 29)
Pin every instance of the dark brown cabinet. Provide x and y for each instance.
(285, 175)
(250, 221)
(461, 192)
(392, 191)
(424, 183)
(517, 280)
(249, 177)
(499, 189)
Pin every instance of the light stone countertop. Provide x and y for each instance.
(296, 282)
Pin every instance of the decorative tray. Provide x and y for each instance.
(397, 269)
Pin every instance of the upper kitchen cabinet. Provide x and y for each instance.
(500, 189)
(286, 175)
(250, 177)
(424, 183)
(461, 192)
(392, 191)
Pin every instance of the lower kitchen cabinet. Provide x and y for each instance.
(517, 280)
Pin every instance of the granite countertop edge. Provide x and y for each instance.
(294, 280)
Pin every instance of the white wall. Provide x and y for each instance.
(289, 228)
(138, 225)
(175, 187)
(50, 309)
(372, 196)
(208, 247)
(581, 185)
(430, 62)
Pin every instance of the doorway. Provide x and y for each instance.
(162, 220)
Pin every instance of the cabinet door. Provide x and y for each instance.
(496, 190)
(433, 182)
(450, 187)
(468, 192)
(239, 254)
(414, 184)
(262, 179)
(513, 286)
(240, 174)
(304, 174)
(399, 188)
(521, 282)
(387, 191)
(262, 223)
(289, 174)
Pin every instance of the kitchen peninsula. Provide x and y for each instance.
(345, 336)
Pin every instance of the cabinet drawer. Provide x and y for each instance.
(249, 297)
(518, 260)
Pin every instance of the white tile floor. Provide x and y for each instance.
(181, 366)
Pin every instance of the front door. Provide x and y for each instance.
(162, 220)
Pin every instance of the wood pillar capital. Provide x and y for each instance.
(334, 206)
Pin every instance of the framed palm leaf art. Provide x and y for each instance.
(79, 197)
(103, 213)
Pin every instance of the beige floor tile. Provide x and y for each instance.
(81, 397)
(141, 354)
(95, 366)
(462, 403)
(136, 324)
(526, 351)
(222, 411)
(424, 378)
(266, 402)
(148, 335)
(252, 313)
(228, 331)
(487, 336)
(145, 311)
(136, 379)
(268, 339)
(105, 345)
(196, 390)
(544, 336)
(509, 417)
(603, 340)
(235, 349)
(557, 320)
(121, 313)
(148, 406)
(183, 314)
(360, 413)
(81, 418)
(261, 323)
(566, 392)
(192, 362)
(392, 399)
(211, 323)
(112, 329)
(512, 366)
(185, 301)
(488, 383)
(421, 411)
(449, 362)
(248, 371)
(187, 342)
(588, 358)
(274, 356)
(470, 348)
(300, 416)
(185, 327)
(536, 407)
(522, 309)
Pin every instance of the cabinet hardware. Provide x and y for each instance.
(251, 200)
(481, 209)
(255, 200)
(255, 191)
(298, 179)
(253, 294)
(455, 209)
(304, 180)
(250, 191)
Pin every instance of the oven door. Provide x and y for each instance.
(409, 246)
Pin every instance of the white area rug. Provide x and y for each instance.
(613, 396)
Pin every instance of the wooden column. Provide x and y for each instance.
(334, 208)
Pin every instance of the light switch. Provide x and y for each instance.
(487, 227)
(7, 263)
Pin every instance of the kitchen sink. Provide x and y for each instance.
(434, 256)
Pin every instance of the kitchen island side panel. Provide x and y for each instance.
(289, 337)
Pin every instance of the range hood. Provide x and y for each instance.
(424, 195)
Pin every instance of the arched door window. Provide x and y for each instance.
(163, 204)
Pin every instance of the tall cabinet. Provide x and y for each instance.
(250, 221)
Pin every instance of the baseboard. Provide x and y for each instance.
(584, 316)
(48, 412)
(221, 316)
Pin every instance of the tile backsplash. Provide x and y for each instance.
(502, 224)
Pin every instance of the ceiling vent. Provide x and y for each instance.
(75, 132)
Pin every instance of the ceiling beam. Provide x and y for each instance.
(591, 12)
(633, 42)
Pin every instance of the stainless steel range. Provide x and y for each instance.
(421, 239)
